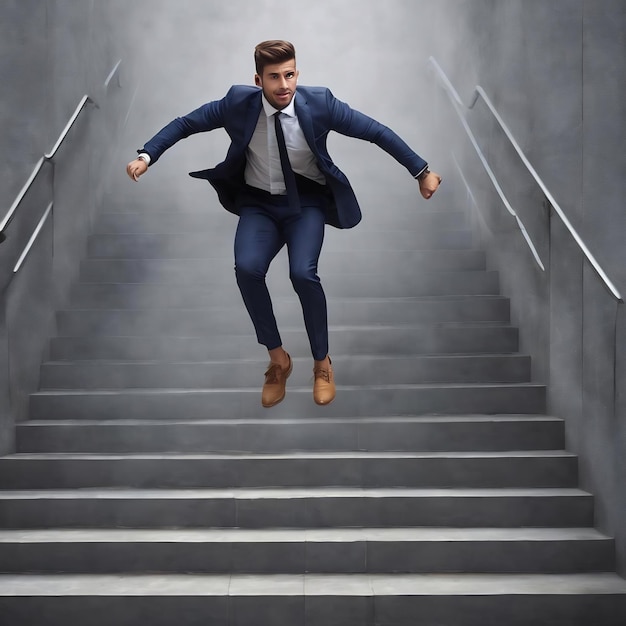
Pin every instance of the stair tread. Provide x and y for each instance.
(37, 585)
(289, 535)
(260, 362)
(346, 299)
(230, 308)
(352, 454)
(336, 327)
(279, 299)
(418, 419)
(292, 390)
(287, 493)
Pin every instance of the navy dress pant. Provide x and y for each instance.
(266, 224)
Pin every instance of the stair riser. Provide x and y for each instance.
(246, 403)
(507, 369)
(321, 512)
(185, 323)
(398, 285)
(210, 346)
(202, 271)
(495, 610)
(310, 557)
(385, 435)
(201, 246)
(320, 610)
(192, 222)
(222, 290)
(342, 311)
(458, 473)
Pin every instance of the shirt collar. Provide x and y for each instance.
(289, 110)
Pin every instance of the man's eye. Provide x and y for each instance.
(290, 75)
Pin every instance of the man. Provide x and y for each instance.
(280, 180)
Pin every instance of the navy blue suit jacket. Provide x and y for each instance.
(318, 113)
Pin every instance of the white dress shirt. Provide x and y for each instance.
(263, 161)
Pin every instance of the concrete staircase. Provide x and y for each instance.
(150, 487)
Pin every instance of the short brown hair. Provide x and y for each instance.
(272, 51)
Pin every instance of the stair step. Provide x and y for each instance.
(185, 322)
(203, 271)
(305, 550)
(367, 284)
(433, 433)
(315, 599)
(194, 245)
(295, 508)
(523, 469)
(353, 370)
(174, 344)
(245, 402)
(194, 221)
(359, 341)
(399, 283)
(343, 311)
(355, 310)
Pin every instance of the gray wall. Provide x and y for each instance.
(555, 72)
(51, 53)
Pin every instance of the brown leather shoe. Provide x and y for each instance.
(324, 385)
(275, 384)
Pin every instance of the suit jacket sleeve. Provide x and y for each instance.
(205, 118)
(353, 123)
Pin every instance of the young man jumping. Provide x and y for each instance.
(280, 180)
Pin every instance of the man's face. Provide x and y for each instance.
(278, 83)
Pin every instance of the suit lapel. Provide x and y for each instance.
(252, 117)
(303, 111)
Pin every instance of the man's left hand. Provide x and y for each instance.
(429, 184)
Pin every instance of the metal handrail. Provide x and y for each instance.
(112, 73)
(39, 165)
(81, 105)
(479, 92)
(498, 188)
(33, 238)
(46, 157)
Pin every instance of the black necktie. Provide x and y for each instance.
(288, 175)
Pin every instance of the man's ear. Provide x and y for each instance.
(257, 80)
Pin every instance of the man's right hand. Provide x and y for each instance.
(429, 184)
(136, 168)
